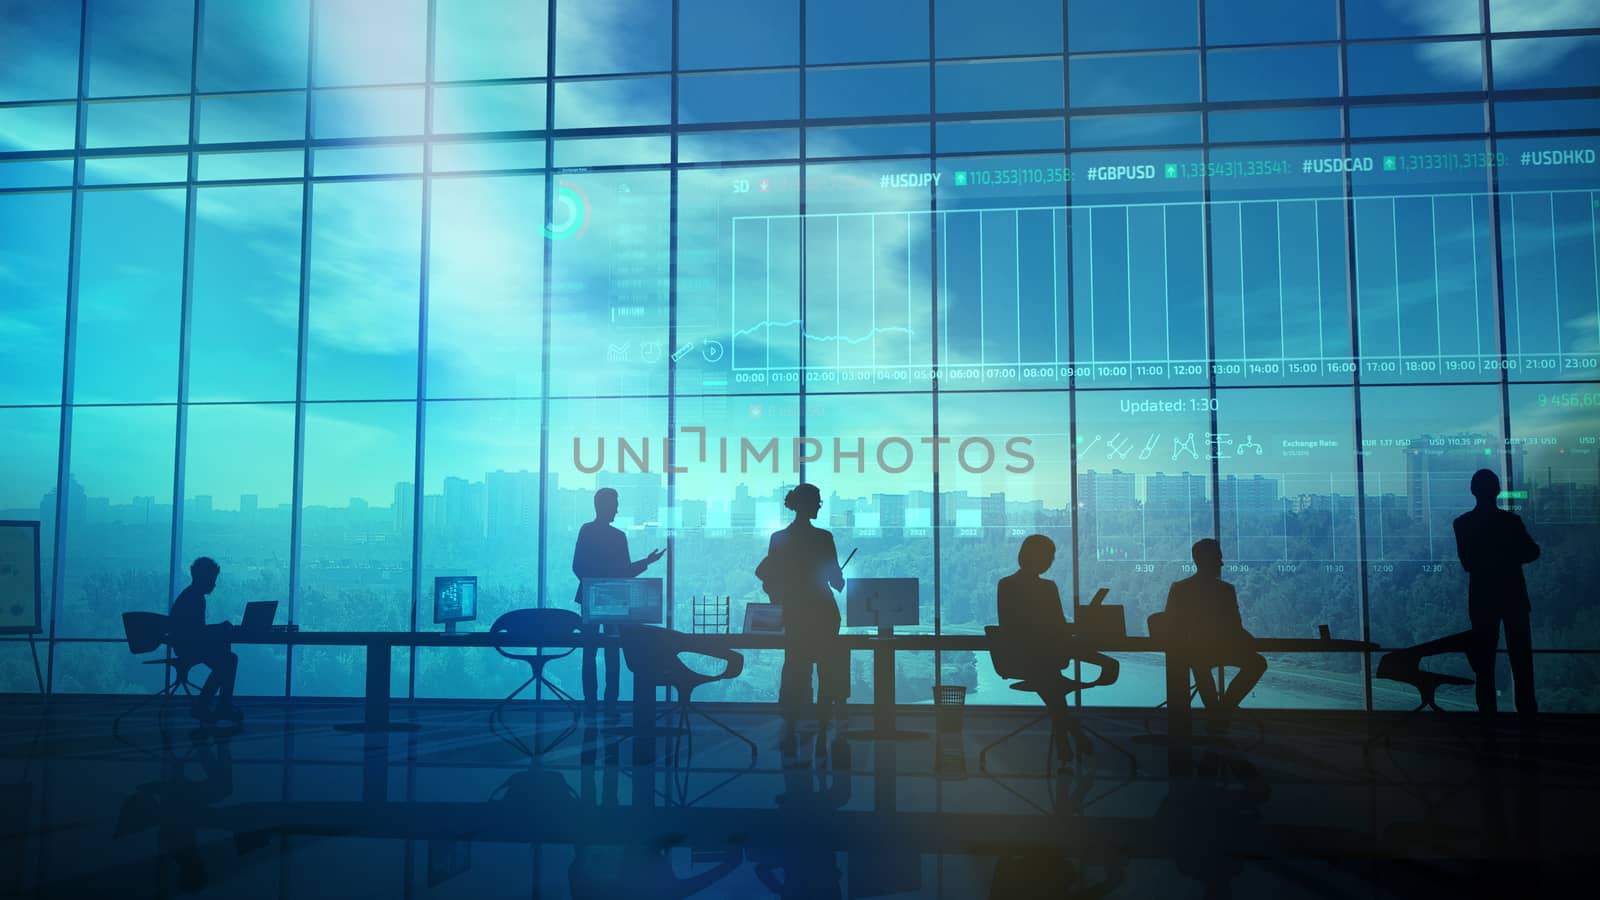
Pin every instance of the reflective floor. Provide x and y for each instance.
(1284, 805)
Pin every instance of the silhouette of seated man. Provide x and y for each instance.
(1204, 609)
(1493, 545)
(210, 645)
(1031, 618)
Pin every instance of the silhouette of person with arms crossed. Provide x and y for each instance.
(1493, 546)
(800, 574)
(1031, 618)
(1204, 609)
(191, 638)
(602, 552)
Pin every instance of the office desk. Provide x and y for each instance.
(378, 645)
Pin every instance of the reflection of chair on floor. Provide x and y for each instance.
(537, 629)
(1010, 662)
(1405, 666)
(656, 654)
(145, 632)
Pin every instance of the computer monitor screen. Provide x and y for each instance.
(455, 599)
(870, 602)
(634, 601)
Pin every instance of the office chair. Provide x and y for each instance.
(1010, 663)
(145, 632)
(1405, 667)
(536, 628)
(1156, 627)
(655, 653)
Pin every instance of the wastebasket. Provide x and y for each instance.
(949, 703)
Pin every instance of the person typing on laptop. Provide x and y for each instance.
(1028, 608)
(209, 644)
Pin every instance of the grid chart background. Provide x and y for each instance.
(320, 288)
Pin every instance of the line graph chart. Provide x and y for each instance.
(1240, 290)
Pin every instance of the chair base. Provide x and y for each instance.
(886, 734)
(376, 727)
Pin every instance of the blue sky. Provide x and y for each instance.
(1280, 276)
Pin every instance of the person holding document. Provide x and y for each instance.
(800, 573)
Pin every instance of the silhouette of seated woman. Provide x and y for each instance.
(210, 645)
(1032, 621)
(1204, 609)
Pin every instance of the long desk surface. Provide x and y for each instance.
(857, 641)
(379, 643)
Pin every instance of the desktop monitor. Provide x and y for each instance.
(622, 601)
(870, 602)
(455, 599)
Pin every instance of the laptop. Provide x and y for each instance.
(1097, 620)
(258, 616)
(763, 618)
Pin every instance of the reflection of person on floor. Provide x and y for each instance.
(1493, 546)
(602, 552)
(191, 638)
(805, 864)
(800, 573)
(1226, 793)
(641, 870)
(177, 803)
(1204, 609)
(1047, 875)
(1028, 607)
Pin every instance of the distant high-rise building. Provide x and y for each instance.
(249, 504)
(693, 513)
(640, 495)
(77, 504)
(993, 508)
(742, 512)
(951, 503)
(463, 509)
(1256, 494)
(1439, 469)
(1102, 491)
(405, 506)
(198, 507)
(1174, 492)
(891, 514)
(512, 499)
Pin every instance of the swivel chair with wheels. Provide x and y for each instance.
(655, 653)
(1219, 716)
(1010, 662)
(536, 629)
(146, 632)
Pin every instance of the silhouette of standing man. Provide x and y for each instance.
(1493, 545)
(602, 552)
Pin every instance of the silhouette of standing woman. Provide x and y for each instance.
(1493, 546)
(800, 573)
